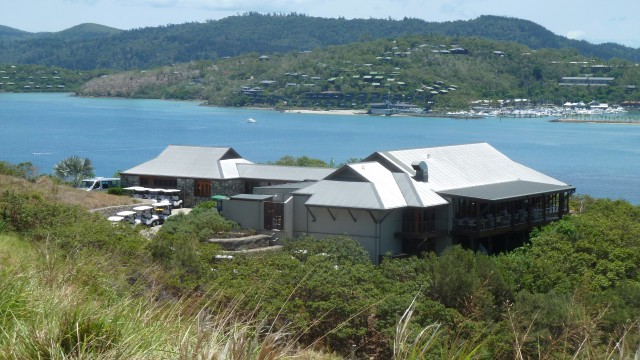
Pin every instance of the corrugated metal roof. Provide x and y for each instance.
(197, 162)
(507, 190)
(370, 186)
(287, 186)
(461, 166)
(342, 194)
(282, 173)
(385, 184)
(417, 194)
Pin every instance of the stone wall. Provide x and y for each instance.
(129, 180)
(187, 188)
(227, 187)
(112, 210)
(243, 243)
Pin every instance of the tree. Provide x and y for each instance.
(304, 161)
(73, 169)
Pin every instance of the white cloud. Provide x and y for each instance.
(576, 34)
(223, 5)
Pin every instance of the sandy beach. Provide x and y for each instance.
(328, 112)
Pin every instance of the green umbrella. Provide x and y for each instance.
(219, 197)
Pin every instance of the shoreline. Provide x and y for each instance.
(325, 112)
(596, 121)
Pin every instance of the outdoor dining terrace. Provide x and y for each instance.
(485, 218)
(506, 220)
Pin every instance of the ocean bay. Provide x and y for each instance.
(601, 160)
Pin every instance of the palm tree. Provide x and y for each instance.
(73, 169)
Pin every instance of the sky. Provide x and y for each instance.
(590, 20)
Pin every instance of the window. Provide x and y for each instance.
(203, 188)
(165, 183)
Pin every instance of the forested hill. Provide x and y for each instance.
(253, 32)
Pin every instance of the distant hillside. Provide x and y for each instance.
(431, 71)
(9, 33)
(253, 32)
(86, 31)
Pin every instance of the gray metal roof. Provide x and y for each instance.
(287, 186)
(462, 166)
(282, 173)
(342, 194)
(251, 197)
(198, 162)
(370, 186)
(507, 190)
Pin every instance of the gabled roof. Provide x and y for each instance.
(198, 162)
(371, 186)
(462, 166)
(282, 173)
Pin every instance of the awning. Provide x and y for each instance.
(219, 197)
(518, 189)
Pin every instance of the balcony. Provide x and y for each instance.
(503, 222)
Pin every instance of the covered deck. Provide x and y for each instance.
(420, 227)
(498, 209)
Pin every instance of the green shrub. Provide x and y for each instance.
(115, 191)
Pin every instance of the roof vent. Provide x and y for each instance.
(422, 171)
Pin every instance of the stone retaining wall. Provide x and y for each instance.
(243, 243)
(112, 210)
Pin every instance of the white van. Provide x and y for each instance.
(99, 183)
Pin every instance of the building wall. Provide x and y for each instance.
(392, 224)
(227, 187)
(376, 239)
(288, 218)
(129, 180)
(249, 214)
(186, 187)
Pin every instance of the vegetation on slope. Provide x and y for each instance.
(37, 78)
(430, 71)
(572, 292)
(149, 47)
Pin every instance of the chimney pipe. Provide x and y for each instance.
(422, 171)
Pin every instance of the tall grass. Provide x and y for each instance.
(45, 313)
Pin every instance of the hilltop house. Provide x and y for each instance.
(409, 201)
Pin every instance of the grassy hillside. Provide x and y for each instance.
(74, 286)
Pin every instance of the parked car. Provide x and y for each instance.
(99, 183)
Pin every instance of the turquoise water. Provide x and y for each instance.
(601, 160)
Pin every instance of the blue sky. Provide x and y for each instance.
(594, 21)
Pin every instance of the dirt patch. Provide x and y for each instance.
(49, 190)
